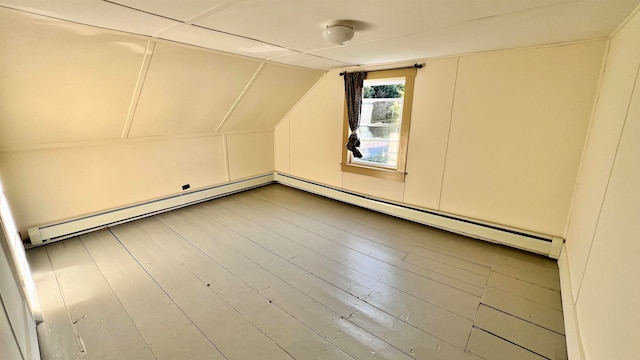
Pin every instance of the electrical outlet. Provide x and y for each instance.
(185, 186)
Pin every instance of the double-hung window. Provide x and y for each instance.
(385, 118)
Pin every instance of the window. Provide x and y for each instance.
(385, 118)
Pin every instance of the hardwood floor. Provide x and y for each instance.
(276, 273)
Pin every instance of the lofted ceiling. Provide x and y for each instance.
(289, 31)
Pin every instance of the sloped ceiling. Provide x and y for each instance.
(196, 90)
(64, 83)
(289, 31)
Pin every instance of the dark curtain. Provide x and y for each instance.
(353, 91)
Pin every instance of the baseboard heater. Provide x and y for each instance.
(533, 242)
(537, 243)
(73, 227)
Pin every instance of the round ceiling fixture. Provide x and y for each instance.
(338, 34)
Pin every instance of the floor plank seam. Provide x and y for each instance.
(525, 320)
(163, 290)
(358, 271)
(390, 264)
(332, 285)
(330, 225)
(359, 210)
(119, 300)
(444, 263)
(474, 322)
(347, 317)
(524, 280)
(526, 298)
(440, 273)
(259, 292)
(221, 265)
(79, 340)
(364, 300)
(278, 273)
(511, 342)
(346, 230)
(444, 252)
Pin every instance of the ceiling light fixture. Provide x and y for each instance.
(338, 34)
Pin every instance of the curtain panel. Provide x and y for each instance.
(353, 83)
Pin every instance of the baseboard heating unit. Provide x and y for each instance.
(73, 227)
(537, 243)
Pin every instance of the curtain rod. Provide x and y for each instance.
(416, 65)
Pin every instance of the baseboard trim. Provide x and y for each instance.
(575, 350)
(537, 243)
(44, 234)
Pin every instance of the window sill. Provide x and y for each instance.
(380, 173)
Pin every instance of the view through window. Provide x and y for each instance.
(380, 122)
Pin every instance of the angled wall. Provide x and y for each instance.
(18, 299)
(92, 119)
(602, 240)
(495, 136)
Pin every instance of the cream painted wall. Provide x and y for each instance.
(244, 160)
(18, 339)
(52, 184)
(517, 133)
(8, 342)
(496, 136)
(603, 240)
(92, 119)
(18, 298)
(435, 84)
(315, 132)
(368, 185)
(281, 145)
(610, 114)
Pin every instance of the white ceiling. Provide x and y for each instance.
(289, 31)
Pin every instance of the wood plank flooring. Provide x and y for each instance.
(276, 273)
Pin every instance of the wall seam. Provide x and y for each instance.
(13, 330)
(302, 98)
(569, 311)
(446, 151)
(613, 164)
(625, 21)
(594, 107)
(274, 135)
(142, 77)
(135, 140)
(289, 142)
(241, 96)
(225, 150)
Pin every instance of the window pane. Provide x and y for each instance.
(390, 132)
(378, 152)
(381, 111)
(380, 122)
